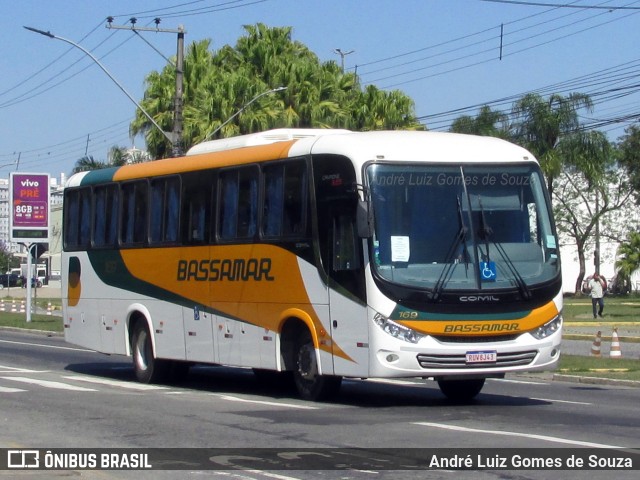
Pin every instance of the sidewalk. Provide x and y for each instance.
(46, 291)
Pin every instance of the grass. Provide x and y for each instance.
(616, 309)
(603, 367)
(49, 323)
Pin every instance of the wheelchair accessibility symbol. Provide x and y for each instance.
(488, 271)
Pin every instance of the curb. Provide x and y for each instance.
(595, 380)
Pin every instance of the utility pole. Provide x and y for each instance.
(176, 133)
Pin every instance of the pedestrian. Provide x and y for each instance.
(597, 286)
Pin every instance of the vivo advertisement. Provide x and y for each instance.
(30, 207)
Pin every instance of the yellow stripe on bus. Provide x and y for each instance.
(257, 283)
(470, 326)
(273, 151)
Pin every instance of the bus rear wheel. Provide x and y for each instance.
(308, 381)
(148, 369)
(461, 390)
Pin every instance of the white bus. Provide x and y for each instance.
(321, 253)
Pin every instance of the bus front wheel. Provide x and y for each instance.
(461, 390)
(148, 369)
(308, 381)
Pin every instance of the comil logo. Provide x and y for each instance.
(23, 459)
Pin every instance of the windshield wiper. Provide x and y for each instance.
(485, 233)
(447, 271)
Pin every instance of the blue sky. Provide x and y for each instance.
(56, 104)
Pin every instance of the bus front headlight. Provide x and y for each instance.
(396, 330)
(548, 328)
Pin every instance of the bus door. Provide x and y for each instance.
(347, 305)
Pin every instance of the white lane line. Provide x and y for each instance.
(262, 402)
(7, 369)
(115, 383)
(560, 401)
(523, 382)
(11, 390)
(545, 438)
(56, 347)
(391, 381)
(48, 384)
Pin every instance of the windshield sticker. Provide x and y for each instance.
(488, 271)
(400, 250)
(551, 241)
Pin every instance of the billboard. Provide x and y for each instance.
(29, 216)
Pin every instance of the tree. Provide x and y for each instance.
(116, 157)
(629, 147)
(542, 124)
(488, 123)
(87, 163)
(582, 207)
(629, 257)
(219, 84)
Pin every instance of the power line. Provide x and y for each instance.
(560, 5)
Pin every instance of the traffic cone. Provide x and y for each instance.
(2, 308)
(597, 342)
(13, 307)
(22, 307)
(49, 308)
(615, 345)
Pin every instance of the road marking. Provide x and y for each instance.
(391, 381)
(11, 390)
(49, 384)
(7, 369)
(57, 347)
(115, 383)
(262, 402)
(523, 382)
(560, 401)
(545, 438)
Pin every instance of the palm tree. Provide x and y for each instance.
(629, 257)
(87, 163)
(543, 123)
(217, 85)
(489, 123)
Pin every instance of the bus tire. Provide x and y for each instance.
(148, 369)
(461, 390)
(309, 383)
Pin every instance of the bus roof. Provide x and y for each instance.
(361, 147)
(261, 138)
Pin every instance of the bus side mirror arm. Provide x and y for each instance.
(364, 219)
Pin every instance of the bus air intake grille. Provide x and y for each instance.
(459, 361)
(463, 339)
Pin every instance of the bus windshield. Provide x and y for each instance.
(441, 227)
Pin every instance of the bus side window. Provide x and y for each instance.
(285, 199)
(77, 218)
(239, 203)
(133, 222)
(105, 215)
(164, 208)
(196, 206)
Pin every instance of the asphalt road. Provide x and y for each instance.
(53, 395)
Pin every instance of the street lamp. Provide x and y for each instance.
(51, 35)
(273, 90)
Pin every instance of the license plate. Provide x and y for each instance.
(489, 356)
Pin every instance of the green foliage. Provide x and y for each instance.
(219, 84)
(629, 256)
(629, 158)
(488, 123)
